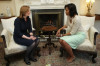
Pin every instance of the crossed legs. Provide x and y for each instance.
(29, 55)
(66, 46)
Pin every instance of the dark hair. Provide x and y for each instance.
(72, 9)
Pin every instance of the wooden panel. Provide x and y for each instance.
(5, 17)
(5, 0)
(97, 16)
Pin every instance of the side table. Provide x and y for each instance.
(49, 43)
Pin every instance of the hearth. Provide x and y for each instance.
(47, 17)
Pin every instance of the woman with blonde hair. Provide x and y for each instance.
(23, 34)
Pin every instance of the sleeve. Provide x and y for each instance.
(75, 26)
(17, 28)
(30, 27)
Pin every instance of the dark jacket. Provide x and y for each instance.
(22, 27)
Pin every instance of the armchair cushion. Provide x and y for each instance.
(87, 46)
(14, 48)
(7, 36)
(87, 22)
(92, 31)
(8, 24)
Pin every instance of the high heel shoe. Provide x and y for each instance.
(33, 59)
(27, 61)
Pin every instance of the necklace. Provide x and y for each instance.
(70, 20)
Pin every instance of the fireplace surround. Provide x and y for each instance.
(47, 17)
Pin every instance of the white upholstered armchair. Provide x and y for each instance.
(10, 47)
(89, 45)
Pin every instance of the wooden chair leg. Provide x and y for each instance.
(94, 56)
(38, 51)
(8, 62)
(61, 51)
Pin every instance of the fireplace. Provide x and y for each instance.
(47, 17)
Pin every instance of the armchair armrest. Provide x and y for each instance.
(4, 32)
(33, 29)
(92, 35)
(5, 36)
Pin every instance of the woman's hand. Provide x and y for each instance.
(63, 34)
(67, 34)
(31, 34)
(58, 33)
(32, 37)
(26, 37)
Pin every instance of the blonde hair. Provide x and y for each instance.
(23, 11)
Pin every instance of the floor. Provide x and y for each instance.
(82, 58)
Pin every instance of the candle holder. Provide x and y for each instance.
(54, 36)
(41, 34)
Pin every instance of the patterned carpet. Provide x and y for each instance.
(82, 59)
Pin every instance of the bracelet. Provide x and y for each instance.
(31, 35)
(61, 35)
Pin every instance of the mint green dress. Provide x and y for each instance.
(77, 36)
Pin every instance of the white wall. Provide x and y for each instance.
(16, 4)
(77, 3)
(97, 6)
(5, 4)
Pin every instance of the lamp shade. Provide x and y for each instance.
(88, 0)
(92, 0)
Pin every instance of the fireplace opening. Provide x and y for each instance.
(47, 17)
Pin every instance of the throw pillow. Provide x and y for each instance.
(8, 24)
(87, 22)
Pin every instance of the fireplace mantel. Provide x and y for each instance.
(46, 3)
(49, 6)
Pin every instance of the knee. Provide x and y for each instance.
(37, 42)
(37, 39)
(64, 42)
(60, 40)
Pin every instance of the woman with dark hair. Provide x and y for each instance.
(23, 34)
(75, 34)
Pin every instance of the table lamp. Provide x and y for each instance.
(89, 6)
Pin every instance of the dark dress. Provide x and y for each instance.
(21, 27)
